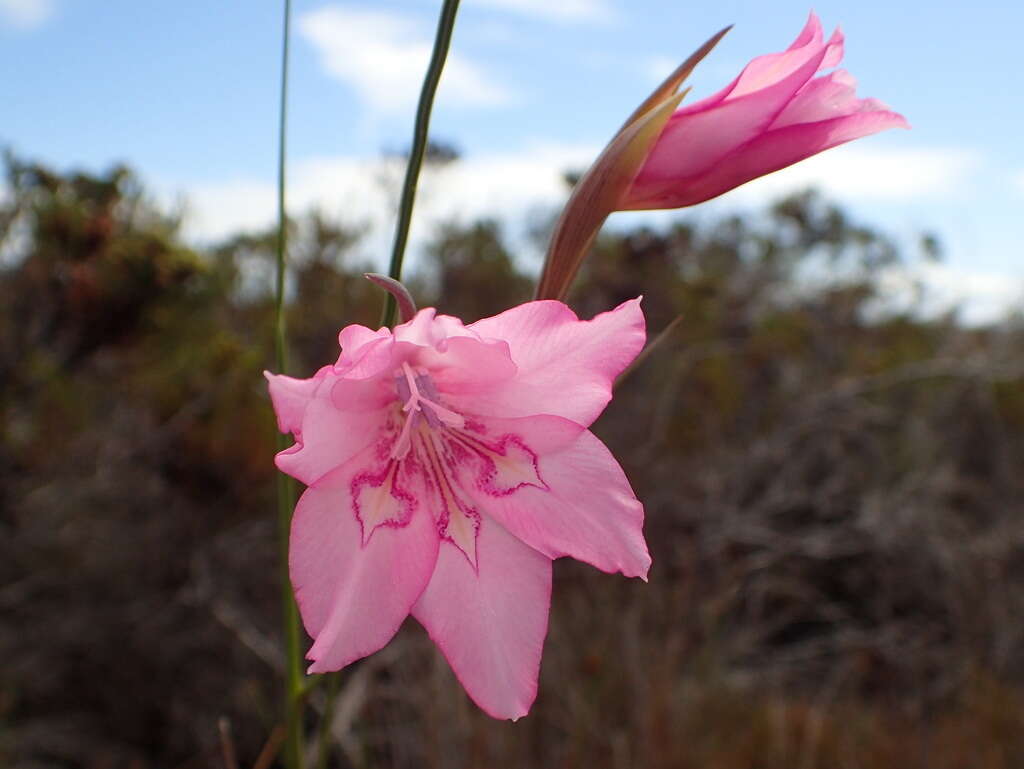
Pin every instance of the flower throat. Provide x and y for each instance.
(420, 397)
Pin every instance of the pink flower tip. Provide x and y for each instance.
(781, 109)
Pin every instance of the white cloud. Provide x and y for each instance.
(26, 14)
(384, 56)
(854, 172)
(593, 11)
(361, 190)
(216, 211)
(509, 185)
(980, 296)
(1018, 180)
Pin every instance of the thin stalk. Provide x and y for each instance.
(285, 485)
(324, 742)
(421, 130)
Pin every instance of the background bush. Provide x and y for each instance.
(833, 487)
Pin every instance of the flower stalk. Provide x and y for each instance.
(286, 486)
(421, 131)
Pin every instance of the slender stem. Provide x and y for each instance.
(280, 345)
(285, 485)
(442, 41)
(326, 738)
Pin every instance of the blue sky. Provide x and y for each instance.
(186, 93)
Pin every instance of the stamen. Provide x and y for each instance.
(412, 402)
(411, 388)
(447, 416)
(404, 442)
(431, 417)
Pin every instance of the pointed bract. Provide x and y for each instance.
(673, 82)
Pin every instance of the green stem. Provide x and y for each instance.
(442, 41)
(326, 738)
(285, 485)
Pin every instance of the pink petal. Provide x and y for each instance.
(368, 394)
(469, 364)
(810, 34)
(456, 357)
(436, 341)
(834, 50)
(365, 354)
(428, 329)
(375, 359)
(696, 140)
(329, 438)
(770, 152)
(490, 623)
(325, 435)
(353, 597)
(566, 366)
(290, 397)
(588, 510)
(353, 338)
(771, 68)
(338, 418)
(823, 98)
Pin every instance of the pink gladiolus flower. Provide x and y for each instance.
(774, 114)
(447, 466)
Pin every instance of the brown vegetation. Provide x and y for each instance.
(834, 493)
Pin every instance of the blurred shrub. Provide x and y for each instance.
(833, 490)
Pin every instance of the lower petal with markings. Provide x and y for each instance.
(490, 622)
(354, 594)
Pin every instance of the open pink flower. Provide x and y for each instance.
(774, 114)
(447, 466)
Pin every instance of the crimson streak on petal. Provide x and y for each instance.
(435, 448)
(379, 500)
